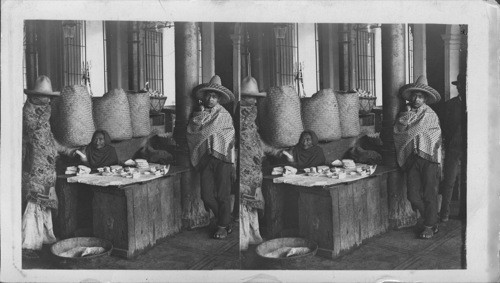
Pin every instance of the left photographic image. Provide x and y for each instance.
(129, 146)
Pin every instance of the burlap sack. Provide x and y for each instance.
(112, 114)
(71, 120)
(139, 113)
(349, 113)
(320, 114)
(280, 118)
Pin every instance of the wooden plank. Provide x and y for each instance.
(336, 229)
(65, 225)
(109, 218)
(359, 197)
(315, 218)
(345, 205)
(168, 205)
(177, 200)
(273, 208)
(384, 203)
(353, 234)
(140, 218)
(372, 205)
(131, 223)
(154, 210)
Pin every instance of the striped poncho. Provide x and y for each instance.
(211, 131)
(418, 132)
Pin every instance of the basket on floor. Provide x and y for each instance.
(112, 114)
(61, 250)
(349, 113)
(320, 114)
(71, 119)
(280, 118)
(139, 113)
(294, 262)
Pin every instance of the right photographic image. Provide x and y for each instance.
(353, 146)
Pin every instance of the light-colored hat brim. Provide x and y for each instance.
(256, 94)
(225, 94)
(432, 95)
(33, 92)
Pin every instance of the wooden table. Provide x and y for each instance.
(337, 217)
(133, 217)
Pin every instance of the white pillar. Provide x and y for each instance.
(95, 56)
(307, 56)
(378, 64)
(452, 40)
(207, 51)
(419, 51)
(169, 65)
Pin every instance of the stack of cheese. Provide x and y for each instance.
(142, 163)
(277, 171)
(71, 170)
(349, 164)
(83, 170)
(289, 170)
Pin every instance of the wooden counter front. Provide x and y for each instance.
(133, 217)
(337, 217)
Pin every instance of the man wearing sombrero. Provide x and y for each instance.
(211, 136)
(417, 137)
(40, 151)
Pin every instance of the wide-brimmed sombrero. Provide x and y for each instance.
(43, 86)
(215, 85)
(249, 87)
(420, 85)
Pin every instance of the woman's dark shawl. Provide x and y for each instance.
(105, 156)
(313, 156)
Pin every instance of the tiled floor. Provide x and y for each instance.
(392, 250)
(184, 251)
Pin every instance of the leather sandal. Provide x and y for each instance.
(428, 232)
(221, 233)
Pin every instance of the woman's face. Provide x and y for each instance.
(417, 99)
(306, 141)
(99, 141)
(210, 99)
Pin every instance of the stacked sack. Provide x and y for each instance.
(71, 119)
(349, 113)
(320, 114)
(112, 114)
(279, 117)
(139, 113)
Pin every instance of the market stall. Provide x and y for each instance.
(338, 214)
(133, 213)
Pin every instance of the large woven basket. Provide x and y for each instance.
(112, 114)
(320, 114)
(349, 113)
(139, 113)
(280, 118)
(71, 120)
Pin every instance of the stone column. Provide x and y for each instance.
(344, 56)
(236, 38)
(208, 51)
(393, 76)
(31, 54)
(452, 43)
(419, 51)
(135, 70)
(186, 70)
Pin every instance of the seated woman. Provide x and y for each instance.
(99, 152)
(307, 152)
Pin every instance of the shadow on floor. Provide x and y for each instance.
(394, 250)
(193, 249)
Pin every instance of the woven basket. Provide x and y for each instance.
(280, 117)
(112, 114)
(71, 120)
(366, 104)
(320, 114)
(349, 113)
(139, 113)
